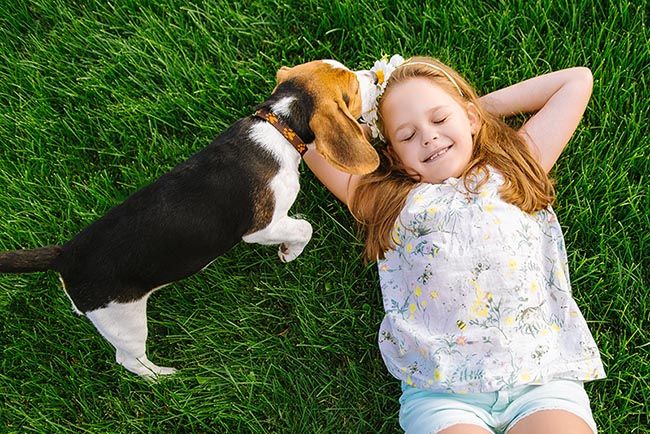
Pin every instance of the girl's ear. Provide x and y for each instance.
(282, 74)
(474, 118)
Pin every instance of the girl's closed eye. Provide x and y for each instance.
(407, 136)
(440, 119)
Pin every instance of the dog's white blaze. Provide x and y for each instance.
(267, 137)
(335, 64)
(283, 106)
(285, 185)
(368, 90)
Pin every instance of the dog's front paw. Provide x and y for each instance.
(291, 250)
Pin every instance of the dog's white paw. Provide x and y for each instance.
(143, 367)
(291, 250)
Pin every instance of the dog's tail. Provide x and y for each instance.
(29, 261)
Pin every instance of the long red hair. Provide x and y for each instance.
(380, 195)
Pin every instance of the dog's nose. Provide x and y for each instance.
(375, 77)
(371, 76)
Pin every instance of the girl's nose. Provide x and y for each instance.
(433, 136)
(430, 134)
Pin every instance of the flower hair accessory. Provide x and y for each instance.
(383, 68)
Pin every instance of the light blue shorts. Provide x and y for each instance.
(426, 412)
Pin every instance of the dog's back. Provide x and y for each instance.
(171, 228)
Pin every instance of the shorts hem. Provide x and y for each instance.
(588, 420)
(449, 425)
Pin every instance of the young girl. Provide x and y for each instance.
(480, 324)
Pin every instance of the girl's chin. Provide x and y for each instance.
(438, 177)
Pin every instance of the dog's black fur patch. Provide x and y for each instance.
(175, 226)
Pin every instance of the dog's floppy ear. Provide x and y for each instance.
(340, 139)
(282, 74)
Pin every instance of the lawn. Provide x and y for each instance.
(99, 98)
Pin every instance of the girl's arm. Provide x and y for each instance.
(559, 100)
(340, 183)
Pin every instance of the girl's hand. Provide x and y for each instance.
(559, 100)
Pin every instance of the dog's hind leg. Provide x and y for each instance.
(124, 325)
(292, 234)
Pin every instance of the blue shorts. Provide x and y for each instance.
(425, 412)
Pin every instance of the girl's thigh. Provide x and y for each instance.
(464, 429)
(551, 421)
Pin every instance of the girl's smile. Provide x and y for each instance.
(438, 153)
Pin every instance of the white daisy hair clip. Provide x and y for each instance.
(383, 68)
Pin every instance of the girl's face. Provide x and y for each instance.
(429, 130)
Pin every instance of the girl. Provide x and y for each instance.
(480, 324)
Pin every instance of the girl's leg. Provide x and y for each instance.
(464, 428)
(551, 421)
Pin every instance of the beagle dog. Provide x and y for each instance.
(240, 187)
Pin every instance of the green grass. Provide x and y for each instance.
(99, 98)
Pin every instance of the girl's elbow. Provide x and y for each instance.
(585, 78)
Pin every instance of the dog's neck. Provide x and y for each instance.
(293, 107)
(286, 131)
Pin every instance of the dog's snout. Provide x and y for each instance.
(375, 77)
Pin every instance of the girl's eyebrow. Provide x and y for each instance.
(429, 111)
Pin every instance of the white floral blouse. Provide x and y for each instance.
(477, 295)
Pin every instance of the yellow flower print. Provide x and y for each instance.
(380, 76)
(423, 303)
(534, 287)
(559, 274)
(418, 198)
(433, 295)
(524, 376)
(489, 207)
(384, 267)
(432, 210)
(512, 264)
(418, 291)
(396, 236)
(409, 381)
(409, 247)
(497, 221)
(437, 375)
(555, 327)
(412, 308)
(509, 321)
(544, 332)
(482, 313)
(484, 192)
(429, 382)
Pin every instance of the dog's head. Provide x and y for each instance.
(340, 97)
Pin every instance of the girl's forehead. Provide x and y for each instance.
(412, 96)
(416, 90)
